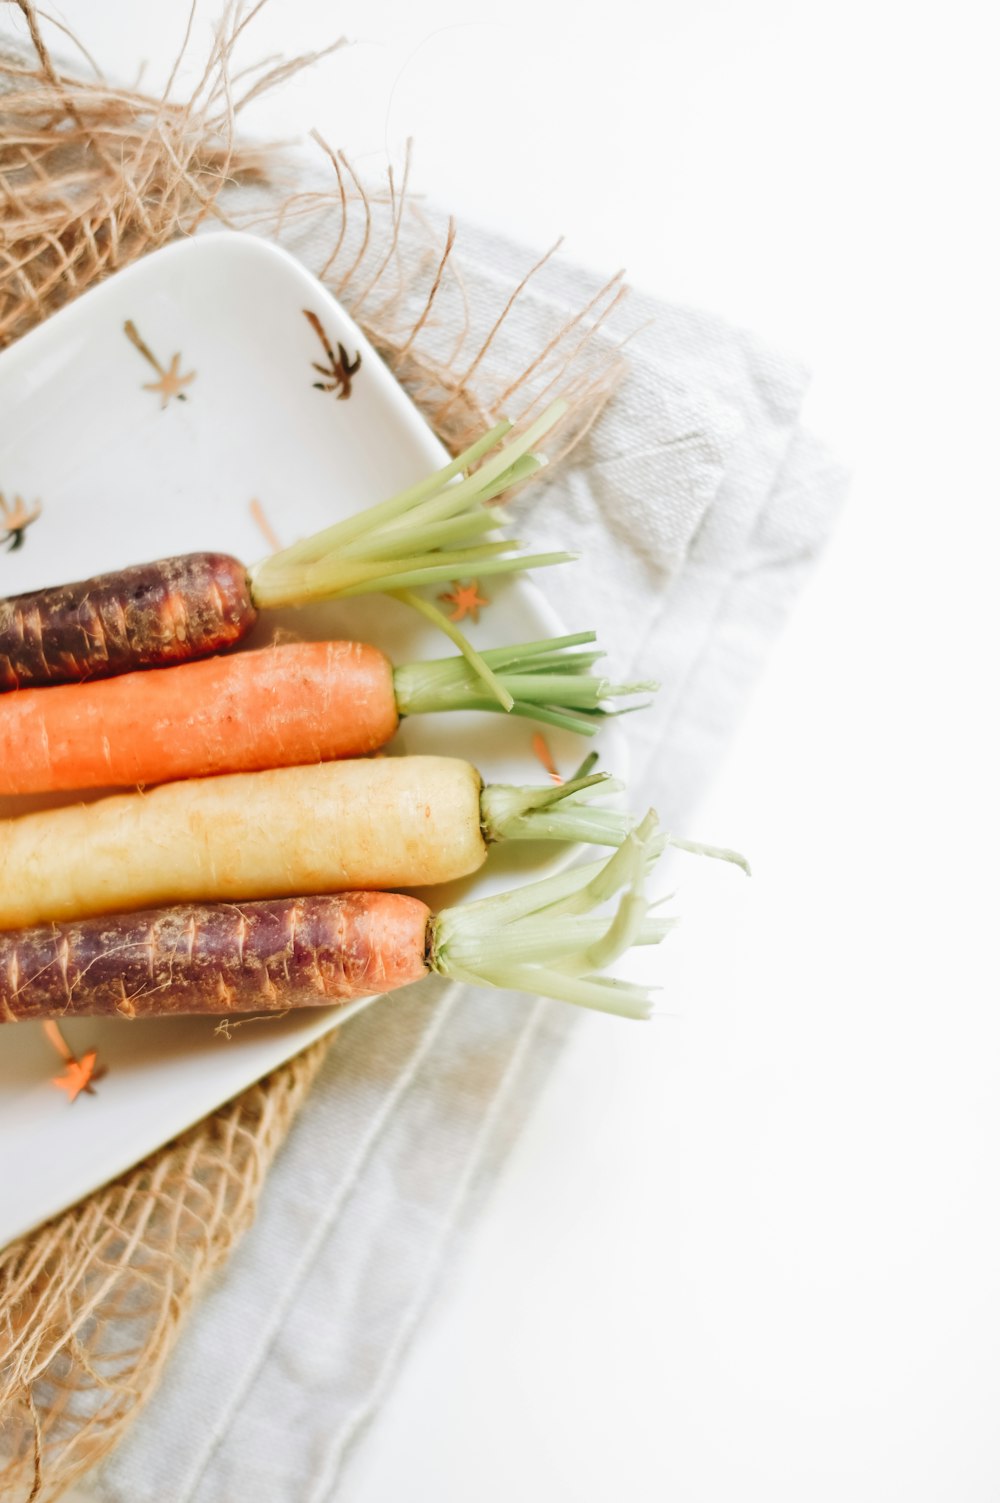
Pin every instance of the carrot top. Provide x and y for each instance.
(544, 939)
(546, 681)
(547, 939)
(430, 532)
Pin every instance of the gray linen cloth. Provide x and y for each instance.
(698, 504)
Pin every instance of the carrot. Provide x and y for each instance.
(305, 951)
(204, 957)
(301, 702)
(305, 702)
(192, 605)
(389, 822)
(180, 609)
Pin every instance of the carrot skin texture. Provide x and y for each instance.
(290, 831)
(170, 611)
(215, 958)
(276, 707)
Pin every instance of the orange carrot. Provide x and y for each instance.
(277, 707)
(307, 702)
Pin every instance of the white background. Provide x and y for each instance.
(753, 1251)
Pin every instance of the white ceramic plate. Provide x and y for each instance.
(123, 477)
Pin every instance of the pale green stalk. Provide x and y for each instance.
(543, 681)
(562, 812)
(374, 516)
(474, 660)
(546, 939)
(409, 540)
(530, 946)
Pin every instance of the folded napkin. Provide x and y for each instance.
(698, 503)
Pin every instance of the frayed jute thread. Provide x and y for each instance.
(92, 177)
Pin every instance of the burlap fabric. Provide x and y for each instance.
(91, 177)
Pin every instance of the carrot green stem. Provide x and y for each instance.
(543, 681)
(562, 812)
(404, 573)
(545, 938)
(471, 660)
(410, 538)
(540, 938)
(342, 533)
(716, 852)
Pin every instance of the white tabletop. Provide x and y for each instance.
(751, 1252)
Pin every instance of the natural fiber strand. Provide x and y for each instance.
(93, 176)
(91, 1303)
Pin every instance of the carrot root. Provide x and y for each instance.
(280, 706)
(166, 612)
(289, 831)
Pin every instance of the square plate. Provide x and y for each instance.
(125, 473)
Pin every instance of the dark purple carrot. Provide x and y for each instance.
(179, 609)
(140, 617)
(315, 951)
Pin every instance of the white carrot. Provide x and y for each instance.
(287, 832)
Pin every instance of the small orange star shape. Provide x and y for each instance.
(170, 382)
(466, 599)
(79, 1075)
